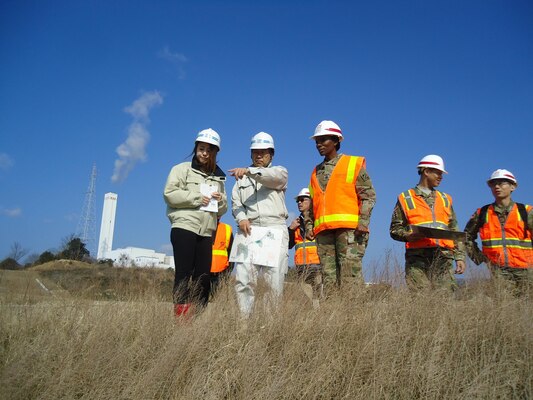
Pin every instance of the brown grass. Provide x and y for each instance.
(376, 343)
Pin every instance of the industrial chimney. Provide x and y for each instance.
(107, 228)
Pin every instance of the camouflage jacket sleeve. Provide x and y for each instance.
(459, 249)
(530, 221)
(472, 248)
(367, 198)
(399, 227)
(309, 218)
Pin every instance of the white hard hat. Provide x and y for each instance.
(432, 161)
(502, 174)
(328, 128)
(304, 193)
(262, 140)
(209, 136)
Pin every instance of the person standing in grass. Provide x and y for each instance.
(428, 262)
(506, 230)
(258, 199)
(306, 258)
(220, 266)
(343, 198)
(195, 197)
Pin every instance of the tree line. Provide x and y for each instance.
(73, 248)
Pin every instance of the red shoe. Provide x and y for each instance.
(181, 310)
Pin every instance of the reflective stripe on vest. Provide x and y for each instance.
(418, 212)
(220, 259)
(337, 206)
(310, 248)
(506, 246)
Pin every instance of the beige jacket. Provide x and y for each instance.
(183, 198)
(260, 196)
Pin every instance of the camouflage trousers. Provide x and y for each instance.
(341, 254)
(520, 280)
(429, 268)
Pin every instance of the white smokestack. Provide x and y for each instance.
(107, 228)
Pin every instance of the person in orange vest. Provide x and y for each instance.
(505, 229)
(343, 198)
(220, 266)
(306, 258)
(428, 262)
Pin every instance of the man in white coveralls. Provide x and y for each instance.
(258, 200)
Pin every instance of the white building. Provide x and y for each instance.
(129, 256)
(138, 257)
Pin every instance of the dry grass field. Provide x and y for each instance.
(76, 342)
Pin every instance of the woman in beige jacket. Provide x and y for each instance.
(195, 197)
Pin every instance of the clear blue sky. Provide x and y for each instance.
(402, 78)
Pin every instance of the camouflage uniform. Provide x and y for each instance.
(521, 278)
(341, 251)
(426, 267)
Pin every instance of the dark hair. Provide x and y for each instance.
(338, 144)
(211, 163)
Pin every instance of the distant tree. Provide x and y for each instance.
(9, 263)
(108, 261)
(17, 252)
(74, 249)
(45, 257)
(31, 259)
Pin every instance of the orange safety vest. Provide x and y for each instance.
(337, 206)
(506, 245)
(418, 212)
(220, 248)
(311, 253)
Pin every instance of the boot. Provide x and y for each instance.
(182, 310)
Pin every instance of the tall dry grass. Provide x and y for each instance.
(376, 343)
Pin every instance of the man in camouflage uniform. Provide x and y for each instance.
(509, 253)
(342, 244)
(428, 262)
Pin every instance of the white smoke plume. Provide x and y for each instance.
(133, 149)
(178, 60)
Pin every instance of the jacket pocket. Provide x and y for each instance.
(244, 184)
(193, 182)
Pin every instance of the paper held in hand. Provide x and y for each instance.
(208, 190)
(261, 247)
(435, 233)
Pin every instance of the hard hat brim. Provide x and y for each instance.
(209, 142)
(341, 138)
(502, 179)
(424, 166)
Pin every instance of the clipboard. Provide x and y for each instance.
(435, 233)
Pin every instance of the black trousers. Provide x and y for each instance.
(192, 260)
(217, 278)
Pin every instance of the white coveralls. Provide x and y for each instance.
(260, 197)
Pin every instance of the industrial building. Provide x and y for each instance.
(129, 256)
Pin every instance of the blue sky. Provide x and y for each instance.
(402, 78)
